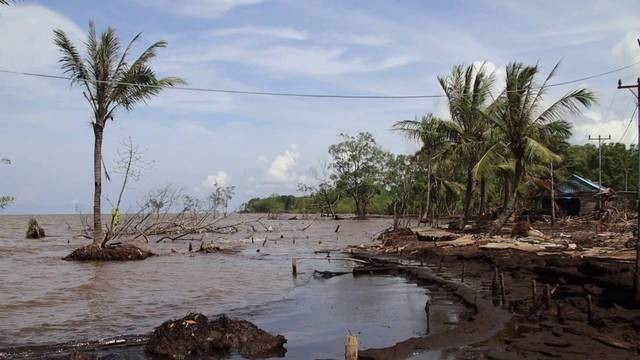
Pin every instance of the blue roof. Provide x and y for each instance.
(575, 184)
(589, 182)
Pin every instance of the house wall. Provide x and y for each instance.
(588, 202)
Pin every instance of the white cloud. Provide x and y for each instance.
(219, 179)
(274, 32)
(627, 51)
(262, 160)
(595, 124)
(363, 39)
(27, 45)
(308, 60)
(199, 8)
(282, 165)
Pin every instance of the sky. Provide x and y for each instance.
(264, 145)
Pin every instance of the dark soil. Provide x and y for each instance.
(120, 252)
(194, 335)
(561, 329)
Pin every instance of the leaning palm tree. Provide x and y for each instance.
(524, 127)
(110, 82)
(468, 91)
(430, 132)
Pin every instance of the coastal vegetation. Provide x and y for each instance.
(110, 82)
(5, 200)
(493, 152)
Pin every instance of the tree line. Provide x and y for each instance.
(493, 150)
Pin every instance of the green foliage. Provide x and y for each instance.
(357, 168)
(274, 204)
(619, 163)
(5, 201)
(220, 197)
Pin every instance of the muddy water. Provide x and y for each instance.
(44, 300)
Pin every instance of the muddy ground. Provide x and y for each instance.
(536, 328)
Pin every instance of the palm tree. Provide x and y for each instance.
(109, 82)
(430, 131)
(468, 91)
(523, 127)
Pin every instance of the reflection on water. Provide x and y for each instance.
(46, 300)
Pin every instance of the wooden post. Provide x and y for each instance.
(294, 267)
(462, 276)
(589, 309)
(559, 313)
(495, 286)
(534, 292)
(190, 247)
(351, 348)
(503, 291)
(547, 296)
(427, 309)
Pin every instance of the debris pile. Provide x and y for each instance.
(34, 231)
(195, 335)
(116, 252)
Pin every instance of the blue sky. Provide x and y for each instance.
(263, 145)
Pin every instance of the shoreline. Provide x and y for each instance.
(564, 328)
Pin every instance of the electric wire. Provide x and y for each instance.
(292, 94)
(629, 124)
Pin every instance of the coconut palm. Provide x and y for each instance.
(110, 82)
(523, 126)
(429, 130)
(468, 91)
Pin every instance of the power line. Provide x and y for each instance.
(227, 91)
(294, 94)
(628, 124)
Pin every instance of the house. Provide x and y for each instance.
(574, 196)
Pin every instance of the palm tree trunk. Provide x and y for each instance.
(467, 196)
(519, 170)
(428, 206)
(97, 191)
(483, 185)
(505, 194)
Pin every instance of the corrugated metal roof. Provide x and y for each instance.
(576, 183)
(589, 182)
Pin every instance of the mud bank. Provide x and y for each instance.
(563, 327)
(484, 321)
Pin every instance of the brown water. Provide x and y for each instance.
(45, 300)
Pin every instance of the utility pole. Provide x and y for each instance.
(600, 139)
(636, 275)
(626, 178)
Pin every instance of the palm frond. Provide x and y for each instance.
(487, 163)
(537, 151)
(570, 103)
